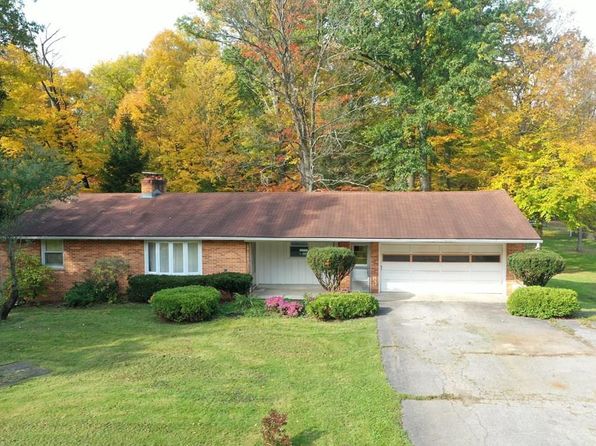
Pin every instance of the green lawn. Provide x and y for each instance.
(580, 274)
(120, 376)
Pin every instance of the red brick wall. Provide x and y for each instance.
(345, 284)
(80, 255)
(221, 256)
(512, 248)
(374, 267)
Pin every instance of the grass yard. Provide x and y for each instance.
(580, 274)
(120, 376)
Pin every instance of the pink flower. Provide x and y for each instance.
(287, 308)
(274, 302)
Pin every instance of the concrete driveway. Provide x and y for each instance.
(474, 375)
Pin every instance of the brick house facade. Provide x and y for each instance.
(412, 240)
(217, 256)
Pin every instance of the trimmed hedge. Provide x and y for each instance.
(543, 303)
(536, 266)
(342, 306)
(186, 304)
(142, 287)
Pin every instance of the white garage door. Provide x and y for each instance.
(442, 268)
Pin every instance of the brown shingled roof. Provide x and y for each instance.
(292, 215)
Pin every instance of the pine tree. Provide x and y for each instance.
(125, 162)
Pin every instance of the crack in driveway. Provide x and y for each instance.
(522, 381)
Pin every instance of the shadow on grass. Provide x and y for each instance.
(307, 437)
(71, 341)
(586, 291)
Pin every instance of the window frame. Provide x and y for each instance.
(394, 258)
(44, 251)
(170, 250)
(483, 258)
(467, 256)
(417, 258)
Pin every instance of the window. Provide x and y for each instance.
(455, 258)
(173, 258)
(486, 259)
(52, 253)
(298, 249)
(396, 258)
(426, 258)
(361, 254)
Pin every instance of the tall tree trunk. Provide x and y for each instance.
(14, 282)
(425, 181)
(411, 181)
(425, 174)
(580, 240)
(539, 227)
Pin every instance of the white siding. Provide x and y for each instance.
(275, 266)
(422, 277)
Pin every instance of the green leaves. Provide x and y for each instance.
(438, 56)
(32, 180)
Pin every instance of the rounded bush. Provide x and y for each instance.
(536, 266)
(342, 306)
(543, 303)
(331, 265)
(86, 293)
(186, 304)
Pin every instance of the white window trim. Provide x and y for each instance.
(170, 244)
(44, 251)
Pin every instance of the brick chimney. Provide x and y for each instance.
(152, 185)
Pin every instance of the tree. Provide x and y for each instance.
(33, 180)
(203, 127)
(160, 73)
(15, 29)
(438, 58)
(331, 265)
(126, 160)
(297, 56)
(538, 127)
(109, 83)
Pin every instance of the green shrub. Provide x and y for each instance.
(142, 287)
(104, 274)
(186, 304)
(331, 265)
(342, 306)
(85, 293)
(536, 266)
(33, 278)
(543, 303)
(243, 305)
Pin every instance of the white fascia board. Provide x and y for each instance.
(293, 239)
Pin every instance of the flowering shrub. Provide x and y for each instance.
(285, 307)
(292, 309)
(274, 302)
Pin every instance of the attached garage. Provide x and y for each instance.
(443, 268)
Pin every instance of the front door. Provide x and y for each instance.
(360, 274)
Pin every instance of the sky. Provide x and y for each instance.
(100, 30)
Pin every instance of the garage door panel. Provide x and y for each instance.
(485, 267)
(461, 267)
(443, 277)
(396, 266)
